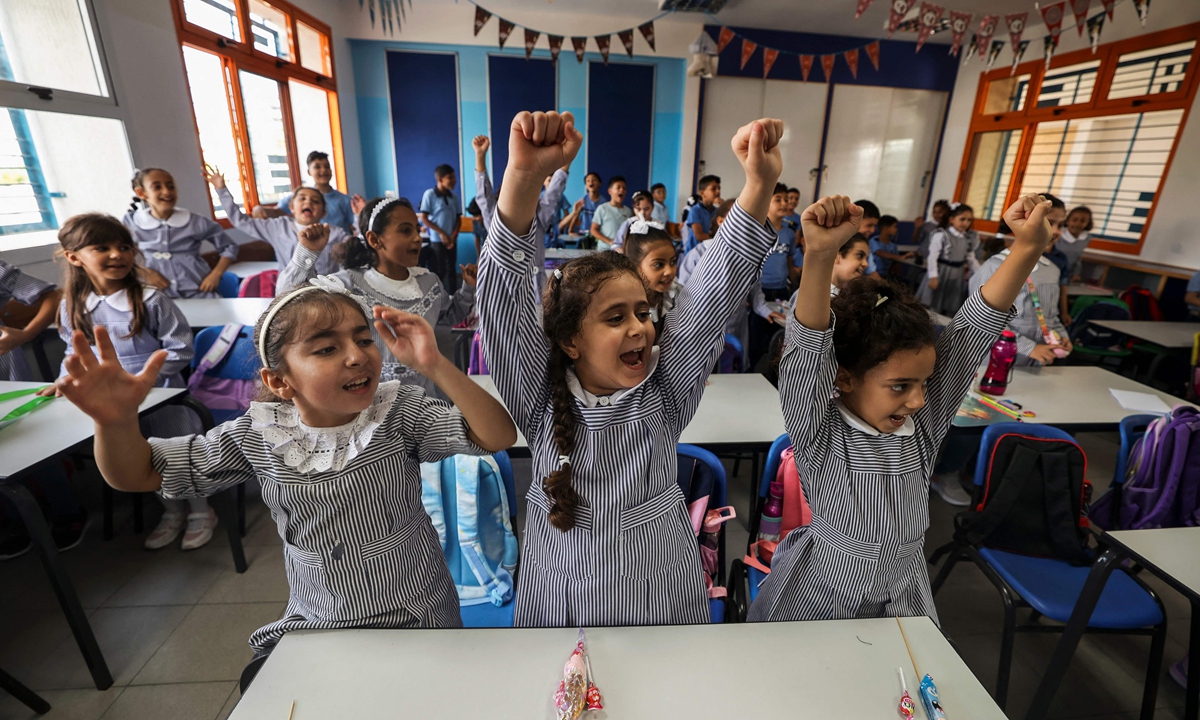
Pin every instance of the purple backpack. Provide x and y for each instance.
(477, 365)
(226, 397)
(1162, 485)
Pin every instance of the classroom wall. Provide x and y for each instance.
(1172, 238)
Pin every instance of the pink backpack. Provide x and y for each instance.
(227, 397)
(796, 512)
(260, 285)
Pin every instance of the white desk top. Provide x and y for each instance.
(1062, 395)
(1081, 289)
(736, 409)
(246, 269)
(822, 670)
(52, 428)
(1166, 334)
(1173, 551)
(566, 253)
(210, 312)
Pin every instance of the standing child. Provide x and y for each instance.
(924, 229)
(591, 200)
(698, 216)
(339, 210)
(336, 452)
(660, 214)
(643, 211)
(793, 201)
(1075, 238)
(951, 255)
(608, 217)
(865, 455)
(608, 540)
(653, 251)
(440, 213)
(883, 246)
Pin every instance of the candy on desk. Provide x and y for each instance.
(907, 707)
(929, 698)
(576, 692)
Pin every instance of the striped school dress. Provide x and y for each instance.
(359, 549)
(862, 556)
(631, 558)
(27, 290)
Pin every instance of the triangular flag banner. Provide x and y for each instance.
(1017, 55)
(769, 55)
(602, 43)
(873, 53)
(1143, 8)
(852, 60)
(627, 40)
(1049, 44)
(900, 8)
(987, 28)
(481, 18)
(1016, 27)
(580, 45)
(827, 66)
(647, 29)
(972, 48)
(994, 52)
(806, 62)
(531, 38)
(1080, 8)
(1052, 15)
(506, 29)
(555, 46)
(1094, 26)
(929, 18)
(959, 22)
(1108, 8)
(724, 39)
(748, 48)
(862, 8)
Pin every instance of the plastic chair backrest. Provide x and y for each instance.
(771, 466)
(1132, 428)
(228, 286)
(995, 432)
(510, 485)
(719, 492)
(241, 363)
(731, 357)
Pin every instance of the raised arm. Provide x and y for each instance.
(303, 266)
(257, 228)
(548, 202)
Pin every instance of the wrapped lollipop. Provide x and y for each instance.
(576, 692)
(907, 707)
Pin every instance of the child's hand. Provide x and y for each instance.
(357, 203)
(214, 177)
(49, 391)
(757, 148)
(481, 143)
(539, 143)
(1027, 219)
(469, 273)
(578, 205)
(409, 337)
(1043, 354)
(828, 223)
(315, 237)
(100, 387)
(210, 281)
(153, 278)
(933, 283)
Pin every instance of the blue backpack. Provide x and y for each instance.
(474, 528)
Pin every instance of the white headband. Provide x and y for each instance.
(641, 227)
(378, 209)
(266, 326)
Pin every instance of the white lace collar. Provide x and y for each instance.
(590, 401)
(118, 300)
(146, 221)
(407, 289)
(860, 425)
(833, 290)
(307, 449)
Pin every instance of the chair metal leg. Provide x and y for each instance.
(1154, 668)
(224, 505)
(944, 573)
(1006, 650)
(1192, 703)
(106, 500)
(241, 508)
(27, 697)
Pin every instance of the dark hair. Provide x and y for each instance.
(79, 232)
(942, 203)
(615, 179)
(656, 186)
(867, 332)
(780, 189)
(851, 242)
(1086, 209)
(870, 209)
(707, 180)
(358, 252)
(139, 177)
(314, 156)
(296, 191)
(319, 309)
(793, 190)
(1055, 202)
(442, 171)
(591, 173)
(888, 221)
(641, 194)
(638, 245)
(721, 212)
(564, 306)
(955, 211)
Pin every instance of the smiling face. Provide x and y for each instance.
(447, 182)
(398, 245)
(1078, 221)
(612, 349)
(158, 190)
(793, 198)
(320, 171)
(660, 194)
(891, 391)
(867, 226)
(308, 206)
(850, 265)
(659, 266)
(962, 221)
(616, 192)
(107, 264)
(778, 208)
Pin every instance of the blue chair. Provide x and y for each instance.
(745, 580)
(228, 286)
(733, 357)
(713, 483)
(240, 363)
(1051, 587)
(487, 615)
(1132, 429)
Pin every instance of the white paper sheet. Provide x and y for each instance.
(1140, 402)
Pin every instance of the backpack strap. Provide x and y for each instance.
(220, 348)
(431, 498)
(1020, 468)
(1060, 517)
(498, 588)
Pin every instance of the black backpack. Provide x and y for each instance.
(1032, 501)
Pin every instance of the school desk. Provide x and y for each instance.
(246, 269)
(1082, 290)
(49, 431)
(1169, 553)
(1170, 335)
(816, 670)
(214, 312)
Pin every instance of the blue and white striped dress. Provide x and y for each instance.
(27, 290)
(869, 491)
(359, 548)
(172, 247)
(631, 558)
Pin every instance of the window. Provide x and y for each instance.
(1101, 133)
(263, 94)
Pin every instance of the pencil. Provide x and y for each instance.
(293, 707)
(997, 406)
(907, 647)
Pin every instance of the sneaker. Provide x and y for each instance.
(1179, 672)
(199, 529)
(68, 532)
(950, 489)
(168, 529)
(15, 543)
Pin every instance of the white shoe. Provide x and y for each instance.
(199, 529)
(950, 489)
(168, 529)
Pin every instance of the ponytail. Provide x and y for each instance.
(358, 254)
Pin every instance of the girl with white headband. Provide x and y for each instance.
(380, 268)
(336, 451)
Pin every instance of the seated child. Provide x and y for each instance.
(651, 248)
(339, 210)
(643, 209)
(884, 250)
(660, 214)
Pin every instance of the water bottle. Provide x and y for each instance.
(1004, 354)
(772, 515)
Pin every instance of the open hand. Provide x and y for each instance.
(828, 224)
(539, 143)
(409, 337)
(210, 282)
(100, 387)
(315, 237)
(49, 391)
(1027, 219)
(469, 273)
(933, 283)
(756, 146)
(481, 143)
(214, 177)
(357, 203)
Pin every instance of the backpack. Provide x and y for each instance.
(1162, 481)
(477, 365)
(730, 360)
(1085, 334)
(1033, 500)
(260, 285)
(1142, 304)
(227, 398)
(796, 512)
(474, 530)
(697, 483)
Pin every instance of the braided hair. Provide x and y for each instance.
(869, 330)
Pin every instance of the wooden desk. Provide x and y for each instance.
(214, 312)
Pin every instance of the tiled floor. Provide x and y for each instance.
(174, 625)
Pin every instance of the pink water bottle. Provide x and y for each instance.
(1004, 354)
(772, 514)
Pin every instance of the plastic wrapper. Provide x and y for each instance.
(576, 692)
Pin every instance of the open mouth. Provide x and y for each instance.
(357, 386)
(634, 359)
(897, 421)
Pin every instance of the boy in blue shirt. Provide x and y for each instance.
(699, 216)
(440, 213)
(793, 196)
(659, 212)
(884, 250)
(338, 206)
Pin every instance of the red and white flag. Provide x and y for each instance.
(748, 48)
(959, 22)
(873, 53)
(1080, 8)
(1052, 15)
(987, 28)
(928, 20)
(862, 8)
(769, 55)
(827, 66)
(506, 29)
(602, 43)
(580, 45)
(531, 38)
(724, 39)
(555, 46)
(647, 29)
(1016, 28)
(627, 40)
(900, 8)
(806, 63)
(851, 57)
(1108, 8)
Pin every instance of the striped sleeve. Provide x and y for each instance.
(301, 269)
(485, 198)
(23, 288)
(806, 374)
(695, 327)
(215, 234)
(202, 465)
(430, 429)
(510, 323)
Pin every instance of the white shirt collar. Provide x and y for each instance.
(833, 290)
(407, 289)
(118, 300)
(146, 221)
(1042, 259)
(1071, 239)
(857, 423)
(590, 401)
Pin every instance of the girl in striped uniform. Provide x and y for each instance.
(865, 456)
(607, 539)
(336, 451)
(381, 269)
(649, 246)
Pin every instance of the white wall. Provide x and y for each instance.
(1173, 237)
